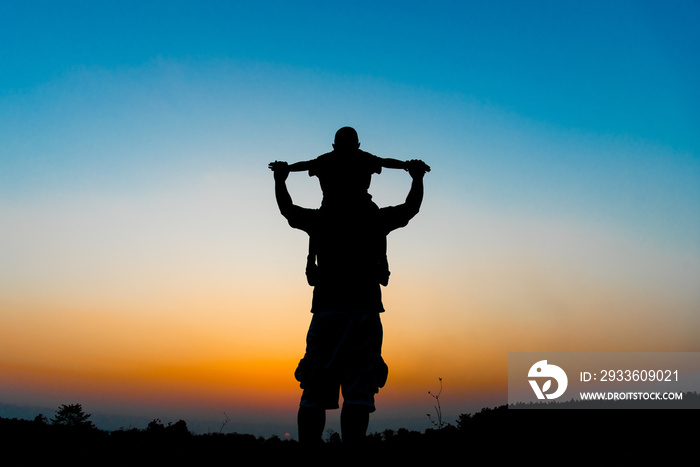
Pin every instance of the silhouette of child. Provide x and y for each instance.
(345, 175)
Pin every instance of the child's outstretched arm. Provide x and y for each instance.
(389, 163)
(295, 167)
(301, 166)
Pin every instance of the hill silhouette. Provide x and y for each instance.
(492, 434)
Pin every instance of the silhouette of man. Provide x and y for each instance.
(343, 344)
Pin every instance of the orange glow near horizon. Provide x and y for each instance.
(197, 351)
(168, 318)
(228, 359)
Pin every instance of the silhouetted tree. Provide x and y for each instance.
(155, 426)
(388, 435)
(72, 415)
(178, 428)
(41, 419)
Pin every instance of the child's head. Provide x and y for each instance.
(346, 138)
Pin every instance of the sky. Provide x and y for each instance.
(146, 272)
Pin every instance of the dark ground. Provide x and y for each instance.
(497, 435)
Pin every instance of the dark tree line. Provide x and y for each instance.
(492, 434)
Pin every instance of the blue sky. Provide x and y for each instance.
(561, 213)
(579, 65)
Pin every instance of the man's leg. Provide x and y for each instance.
(310, 423)
(354, 421)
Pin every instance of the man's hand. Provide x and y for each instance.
(417, 167)
(280, 169)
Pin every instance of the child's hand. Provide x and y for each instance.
(277, 165)
(416, 166)
(280, 169)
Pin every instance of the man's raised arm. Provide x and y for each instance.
(395, 217)
(284, 199)
(298, 217)
(414, 199)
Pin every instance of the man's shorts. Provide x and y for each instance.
(343, 351)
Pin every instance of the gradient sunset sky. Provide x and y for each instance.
(145, 270)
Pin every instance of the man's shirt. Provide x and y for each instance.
(349, 244)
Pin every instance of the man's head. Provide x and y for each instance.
(346, 138)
